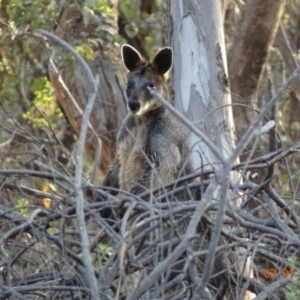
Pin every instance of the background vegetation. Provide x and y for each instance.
(40, 123)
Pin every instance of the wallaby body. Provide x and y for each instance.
(151, 147)
(152, 150)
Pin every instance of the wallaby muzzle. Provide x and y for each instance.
(134, 106)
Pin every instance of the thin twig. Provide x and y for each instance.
(171, 258)
(272, 288)
(22, 173)
(216, 231)
(93, 85)
(251, 129)
(189, 124)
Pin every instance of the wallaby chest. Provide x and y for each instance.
(131, 153)
(151, 147)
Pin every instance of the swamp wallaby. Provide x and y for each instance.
(152, 149)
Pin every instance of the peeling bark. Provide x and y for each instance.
(200, 79)
(200, 83)
(109, 109)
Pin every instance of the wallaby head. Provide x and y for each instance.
(143, 74)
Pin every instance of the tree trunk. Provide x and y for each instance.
(109, 109)
(200, 82)
(248, 54)
(288, 56)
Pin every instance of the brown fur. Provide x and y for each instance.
(151, 146)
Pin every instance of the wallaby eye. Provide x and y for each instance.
(152, 86)
(129, 86)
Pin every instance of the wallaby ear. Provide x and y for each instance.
(162, 61)
(131, 57)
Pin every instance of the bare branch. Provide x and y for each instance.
(250, 131)
(188, 124)
(93, 84)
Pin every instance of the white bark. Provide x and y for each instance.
(200, 74)
(200, 80)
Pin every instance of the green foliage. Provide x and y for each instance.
(52, 230)
(294, 292)
(21, 207)
(86, 51)
(24, 59)
(91, 6)
(130, 8)
(293, 261)
(143, 27)
(45, 109)
(30, 14)
(9, 81)
(99, 5)
(294, 287)
(105, 251)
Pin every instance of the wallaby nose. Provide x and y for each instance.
(134, 106)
